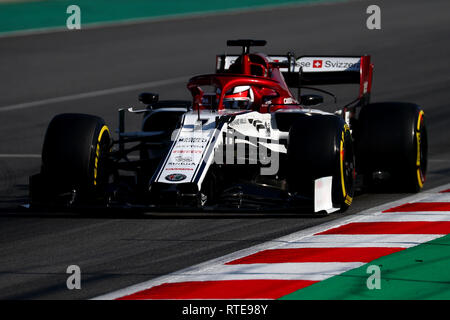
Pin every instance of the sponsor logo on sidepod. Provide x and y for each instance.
(175, 177)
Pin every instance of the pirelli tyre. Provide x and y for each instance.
(73, 156)
(392, 146)
(321, 146)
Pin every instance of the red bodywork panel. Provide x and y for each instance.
(366, 72)
(270, 90)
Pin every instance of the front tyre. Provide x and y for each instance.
(320, 146)
(74, 156)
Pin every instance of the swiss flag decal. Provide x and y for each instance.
(317, 63)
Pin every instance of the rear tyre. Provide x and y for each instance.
(320, 146)
(73, 156)
(392, 146)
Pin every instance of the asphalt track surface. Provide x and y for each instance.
(411, 56)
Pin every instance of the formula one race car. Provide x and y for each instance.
(244, 141)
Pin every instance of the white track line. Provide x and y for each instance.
(294, 238)
(413, 216)
(38, 156)
(438, 197)
(20, 155)
(355, 241)
(91, 94)
(263, 271)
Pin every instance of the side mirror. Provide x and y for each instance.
(311, 99)
(148, 98)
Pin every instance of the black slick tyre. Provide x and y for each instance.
(73, 155)
(320, 146)
(392, 146)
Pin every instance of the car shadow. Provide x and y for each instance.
(24, 211)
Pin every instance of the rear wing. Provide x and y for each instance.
(316, 70)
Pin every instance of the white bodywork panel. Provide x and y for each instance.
(323, 196)
(200, 137)
(191, 144)
(311, 64)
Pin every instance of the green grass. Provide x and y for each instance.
(52, 13)
(417, 273)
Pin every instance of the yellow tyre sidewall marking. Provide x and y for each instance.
(420, 178)
(97, 151)
(348, 199)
